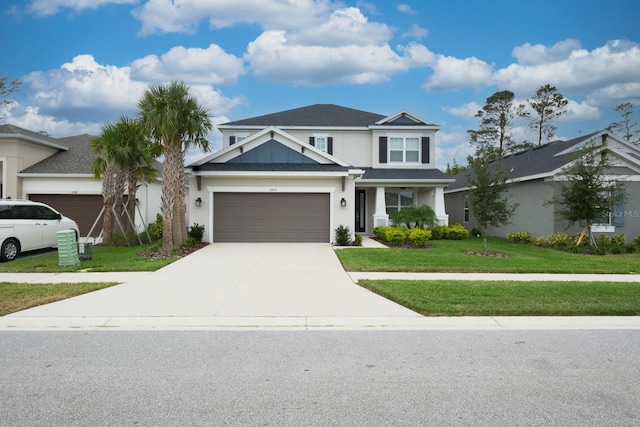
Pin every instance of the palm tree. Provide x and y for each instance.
(124, 156)
(175, 121)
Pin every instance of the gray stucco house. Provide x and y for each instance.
(296, 175)
(532, 174)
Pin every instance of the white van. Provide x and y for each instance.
(26, 225)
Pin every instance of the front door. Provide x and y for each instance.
(361, 211)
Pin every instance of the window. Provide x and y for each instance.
(321, 143)
(240, 137)
(466, 209)
(404, 149)
(396, 201)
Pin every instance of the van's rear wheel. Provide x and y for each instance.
(10, 250)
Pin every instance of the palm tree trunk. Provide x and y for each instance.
(169, 176)
(107, 203)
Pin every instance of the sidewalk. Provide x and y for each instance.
(280, 286)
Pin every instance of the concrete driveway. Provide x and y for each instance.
(227, 285)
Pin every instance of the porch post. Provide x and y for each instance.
(438, 203)
(380, 216)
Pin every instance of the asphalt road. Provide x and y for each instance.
(320, 378)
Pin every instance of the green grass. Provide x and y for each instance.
(105, 258)
(504, 298)
(450, 256)
(20, 296)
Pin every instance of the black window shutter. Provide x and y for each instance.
(312, 141)
(382, 145)
(425, 149)
(330, 145)
(232, 140)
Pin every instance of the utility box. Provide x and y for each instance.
(67, 248)
(85, 251)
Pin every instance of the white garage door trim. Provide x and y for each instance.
(212, 190)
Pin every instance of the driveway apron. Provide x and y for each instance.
(233, 280)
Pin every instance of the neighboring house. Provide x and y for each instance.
(296, 175)
(533, 175)
(57, 171)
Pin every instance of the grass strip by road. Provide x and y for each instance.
(450, 256)
(507, 298)
(105, 258)
(20, 296)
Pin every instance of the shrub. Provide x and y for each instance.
(357, 240)
(558, 240)
(155, 229)
(395, 235)
(456, 232)
(520, 237)
(120, 239)
(342, 236)
(476, 232)
(538, 241)
(380, 232)
(439, 232)
(419, 237)
(196, 231)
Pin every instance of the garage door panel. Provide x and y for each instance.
(269, 217)
(82, 208)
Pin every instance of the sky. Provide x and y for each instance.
(86, 63)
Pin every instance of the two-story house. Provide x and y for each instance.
(296, 175)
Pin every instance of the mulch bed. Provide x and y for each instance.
(181, 252)
(488, 254)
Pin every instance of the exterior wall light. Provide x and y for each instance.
(199, 202)
(343, 202)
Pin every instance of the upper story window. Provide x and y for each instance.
(235, 138)
(322, 142)
(404, 149)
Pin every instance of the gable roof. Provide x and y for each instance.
(534, 162)
(12, 131)
(271, 145)
(77, 159)
(317, 115)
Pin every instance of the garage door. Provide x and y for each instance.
(271, 217)
(83, 209)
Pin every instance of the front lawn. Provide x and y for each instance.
(450, 256)
(20, 296)
(105, 258)
(504, 298)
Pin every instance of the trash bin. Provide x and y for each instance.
(67, 248)
(85, 251)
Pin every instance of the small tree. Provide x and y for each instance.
(549, 105)
(418, 216)
(7, 87)
(487, 200)
(587, 193)
(496, 122)
(627, 127)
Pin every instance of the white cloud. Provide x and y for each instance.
(273, 57)
(84, 93)
(173, 16)
(606, 69)
(51, 7)
(205, 66)
(452, 73)
(343, 27)
(467, 111)
(416, 32)
(405, 8)
(528, 54)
